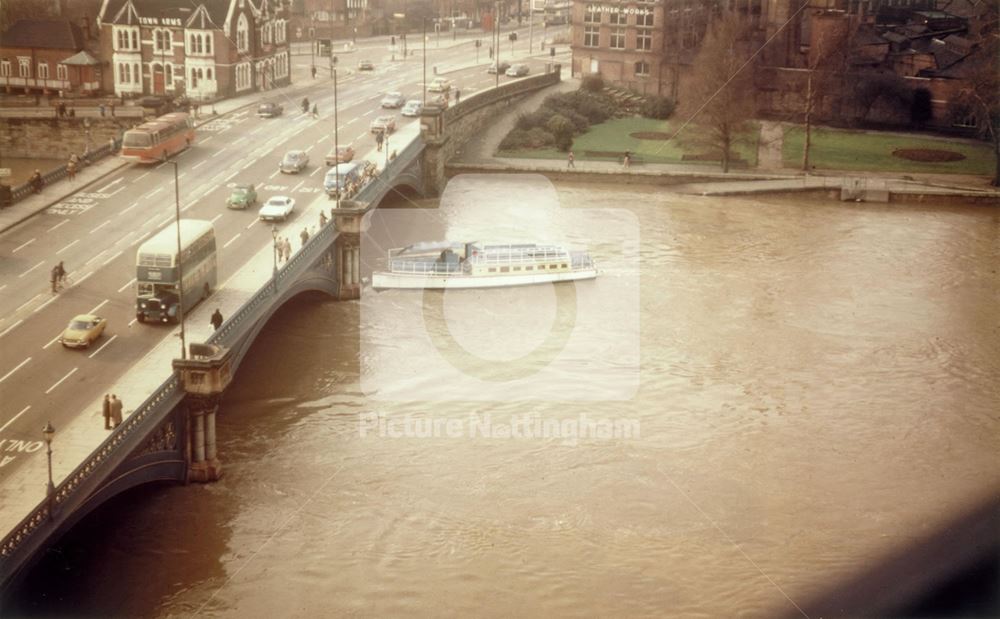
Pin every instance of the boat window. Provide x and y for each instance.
(529, 268)
(541, 267)
(493, 269)
(504, 269)
(517, 268)
(564, 266)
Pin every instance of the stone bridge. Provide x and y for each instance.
(171, 435)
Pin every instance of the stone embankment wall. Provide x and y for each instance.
(466, 120)
(55, 138)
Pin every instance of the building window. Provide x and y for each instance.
(618, 38)
(208, 43)
(43, 70)
(24, 67)
(642, 68)
(62, 72)
(242, 34)
(591, 36)
(592, 14)
(162, 41)
(126, 39)
(644, 20)
(4, 68)
(644, 40)
(618, 19)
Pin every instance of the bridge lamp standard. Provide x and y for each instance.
(50, 492)
(180, 264)
(274, 252)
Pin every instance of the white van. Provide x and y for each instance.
(345, 173)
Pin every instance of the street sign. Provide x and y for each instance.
(4, 172)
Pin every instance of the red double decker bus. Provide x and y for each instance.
(154, 141)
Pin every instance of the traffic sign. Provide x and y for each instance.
(4, 172)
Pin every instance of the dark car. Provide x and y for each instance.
(502, 66)
(366, 65)
(270, 110)
(154, 104)
(242, 196)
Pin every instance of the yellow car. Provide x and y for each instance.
(83, 330)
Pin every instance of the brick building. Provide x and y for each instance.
(205, 49)
(46, 56)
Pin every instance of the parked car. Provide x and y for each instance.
(344, 154)
(366, 65)
(386, 124)
(413, 107)
(83, 330)
(393, 100)
(503, 66)
(342, 176)
(440, 84)
(270, 110)
(517, 70)
(242, 196)
(278, 208)
(294, 161)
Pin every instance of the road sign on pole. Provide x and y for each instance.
(4, 172)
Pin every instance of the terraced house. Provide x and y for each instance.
(205, 49)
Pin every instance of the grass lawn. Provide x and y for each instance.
(839, 149)
(614, 136)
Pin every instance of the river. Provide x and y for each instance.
(756, 399)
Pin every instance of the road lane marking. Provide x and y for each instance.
(230, 241)
(65, 221)
(209, 139)
(361, 135)
(349, 122)
(97, 257)
(91, 356)
(218, 152)
(28, 302)
(100, 226)
(22, 246)
(80, 281)
(109, 260)
(32, 269)
(181, 175)
(8, 329)
(14, 418)
(370, 112)
(111, 184)
(199, 164)
(127, 284)
(242, 139)
(19, 366)
(59, 382)
(122, 188)
(67, 247)
(43, 306)
(313, 173)
(230, 177)
(139, 178)
(296, 188)
(132, 322)
(252, 223)
(273, 174)
(154, 192)
(216, 218)
(131, 207)
(99, 306)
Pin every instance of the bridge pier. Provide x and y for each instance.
(347, 248)
(204, 376)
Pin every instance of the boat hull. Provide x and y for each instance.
(384, 280)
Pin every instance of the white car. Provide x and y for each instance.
(278, 208)
(413, 107)
(439, 84)
(393, 100)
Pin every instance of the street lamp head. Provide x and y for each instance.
(48, 432)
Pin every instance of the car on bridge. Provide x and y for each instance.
(83, 330)
(383, 124)
(498, 67)
(270, 110)
(440, 84)
(278, 208)
(344, 154)
(241, 197)
(517, 70)
(366, 65)
(294, 162)
(393, 100)
(413, 107)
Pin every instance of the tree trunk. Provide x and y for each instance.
(808, 139)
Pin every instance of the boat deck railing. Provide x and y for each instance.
(424, 266)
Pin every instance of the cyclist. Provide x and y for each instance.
(305, 105)
(315, 111)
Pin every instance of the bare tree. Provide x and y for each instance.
(980, 99)
(720, 100)
(13, 10)
(824, 65)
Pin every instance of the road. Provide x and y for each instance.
(96, 233)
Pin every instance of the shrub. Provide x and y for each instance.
(538, 118)
(660, 108)
(539, 138)
(558, 125)
(592, 83)
(564, 142)
(516, 139)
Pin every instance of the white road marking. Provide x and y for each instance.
(218, 152)
(99, 306)
(67, 247)
(59, 382)
(80, 281)
(97, 257)
(26, 303)
(14, 418)
(230, 177)
(154, 192)
(361, 135)
(43, 306)
(349, 122)
(100, 226)
(273, 174)
(22, 246)
(115, 191)
(31, 269)
(131, 207)
(65, 221)
(199, 164)
(181, 175)
(105, 345)
(216, 218)
(108, 261)
(19, 366)
(296, 188)
(142, 176)
(230, 241)
(52, 341)
(111, 184)
(369, 112)
(209, 139)
(313, 173)
(132, 322)
(252, 223)
(127, 284)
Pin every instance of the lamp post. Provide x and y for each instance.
(180, 263)
(50, 492)
(496, 48)
(274, 252)
(331, 38)
(425, 61)
(336, 144)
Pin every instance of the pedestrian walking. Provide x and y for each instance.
(627, 159)
(112, 145)
(313, 71)
(116, 411)
(101, 108)
(570, 159)
(107, 412)
(36, 181)
(322, 218)
(60, 273)
(111, 106)
(378, 141)
(315, 111)
(217, 319)
(304, 235)
(71, 167)
(54, 279)
(458, 95)
(288, 249)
